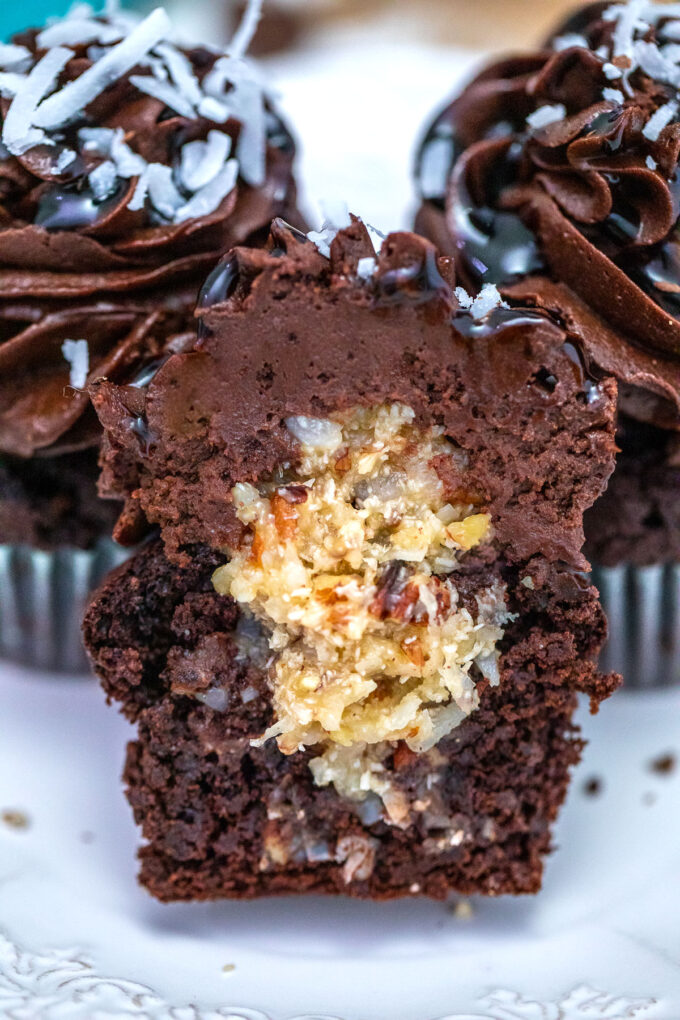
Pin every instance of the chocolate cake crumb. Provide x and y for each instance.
(664, 764)
(593, 786)
(15, 819)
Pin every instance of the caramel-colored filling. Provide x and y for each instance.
(349, 566)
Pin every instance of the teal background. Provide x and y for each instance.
(18, 14)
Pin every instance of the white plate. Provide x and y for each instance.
(79, 939)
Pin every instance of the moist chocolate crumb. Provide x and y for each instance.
(593, 786)
(664, 765)
(15, 819)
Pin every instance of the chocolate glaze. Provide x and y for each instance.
(73, 267)
(585, 207)
(301, 334)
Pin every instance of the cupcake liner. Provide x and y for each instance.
(43, 596)
(643, 609)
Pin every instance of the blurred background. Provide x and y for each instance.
(478, 24)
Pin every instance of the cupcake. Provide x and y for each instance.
(555, 176)
(367, 597)
(127, 164)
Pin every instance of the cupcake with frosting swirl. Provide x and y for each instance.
(128, 164)
(555, 175)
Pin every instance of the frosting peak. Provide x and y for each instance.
(564, 163)
(128, 164)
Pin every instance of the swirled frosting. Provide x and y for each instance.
(127, 166)
(555, 175)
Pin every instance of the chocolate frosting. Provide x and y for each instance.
(73, 266)
(287, 331)
(576, 207)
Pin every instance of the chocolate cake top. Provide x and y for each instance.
(288, 332)
(127, 166)
(564, 163)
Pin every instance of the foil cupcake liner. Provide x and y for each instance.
(643, 609)
(43, 596)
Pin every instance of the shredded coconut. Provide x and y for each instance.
(74, 31)
(651, 163)
(79, 93)
(545, 115)
(246, 30)
(208, 198)
(14, 58)
(77, 353)
(488, 298)
(103, 180)
(366, 267)
(120, 43)
(336, 217)
(164, 92)
(464, 299)
(612, 96)
(17, 133)
(660, 119)
(200, 162)
(567, 41)
(181, 72)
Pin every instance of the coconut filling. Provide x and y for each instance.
(349, 565)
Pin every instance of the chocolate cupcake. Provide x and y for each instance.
(555, 176)
(354, 655)
(127, 165)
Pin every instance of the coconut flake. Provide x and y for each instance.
(251, 146)
(246, 30)
(163, 192)
(649, 57)
(464, 299)
(72, 31)
(14, 58)
(660, 119)
(141, 191)
(64, 160)
(366, 267)
(209, 198)
(17, 132)
(121, 58)
(611, 71)
(96, 140)
(488, 298)
(628, 18)
(213, 109)
(128, 163)
(565, 42)
(336, 217)
(612, 96)
(77, 353)
(11, 83)
(103, 180)
(316, 433)
(200, 162)
(166, 93)
(545, 115)
(181, 72)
